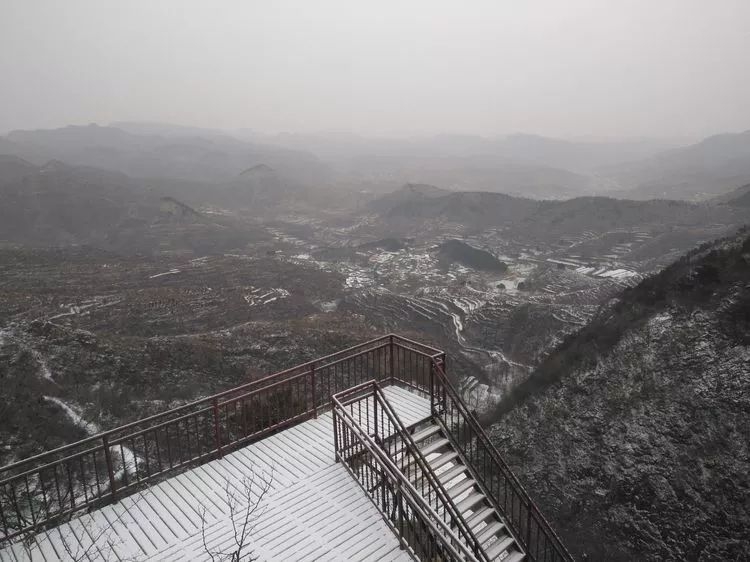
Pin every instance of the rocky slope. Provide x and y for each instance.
(633, 433)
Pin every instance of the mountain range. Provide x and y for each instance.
(521, 164)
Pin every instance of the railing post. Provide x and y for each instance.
(529, 507)
(444, 393)
(375, 411)
(217, 430)
(400, 511)
(110, 468)
(393, 370)
(432, 387)
(314, 392)
(335, 435)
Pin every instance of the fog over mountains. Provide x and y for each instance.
(143, 265)
(522, 165)
(195, 194)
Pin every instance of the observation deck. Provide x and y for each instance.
(366, 454)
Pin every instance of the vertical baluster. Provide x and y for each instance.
(3, 517)
(528, 528)
(335, 435)
(44, 493)
(271, 395)
(70, 485)
(145, 455)
(14, 501)
(217, 431)
(243, 413)
(413, 369)
(135, 459)
(158, 449)
(187, 440)
(83, 480)
(314, 390)
(30, 500)
(57, 487)
(251, 414)
(124, 465)
(169, 444)
(391, 358)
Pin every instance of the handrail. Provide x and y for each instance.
(353, 396)
(207, 400)
(428, 471)
(478, 433)
(441, 532)
(37, 491)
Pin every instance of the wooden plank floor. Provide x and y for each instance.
(314, 510)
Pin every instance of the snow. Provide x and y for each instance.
(253, 298)
(311, 498)
(170, 272)
(127, 456)
(74, 416)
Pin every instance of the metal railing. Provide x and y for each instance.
(368, 406)
(42, 490)
(419, 527)
(495, 478)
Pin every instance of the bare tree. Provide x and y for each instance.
(102, 538)
(245, 503)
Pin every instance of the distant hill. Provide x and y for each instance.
(190, 154)
(632, 433)
(406, 195)
(602, 214)
(456, 251)
(711, 167)
(13, 168)
(58, 204)
(471, 208)
(573, 155)
(740, 197)
(410, 209)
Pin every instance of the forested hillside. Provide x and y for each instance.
(633, 433)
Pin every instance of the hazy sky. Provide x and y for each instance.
(558, 67)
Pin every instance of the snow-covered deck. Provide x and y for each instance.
(313, 510)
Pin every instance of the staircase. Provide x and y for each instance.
(481, 517)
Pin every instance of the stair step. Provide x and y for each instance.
(423, 434)
(500, 545)
(460, 488)
(434, 447)
(490, 531)
(446, 457)
(471, 501)
(514, 556)
(452, 473)
(477, 518)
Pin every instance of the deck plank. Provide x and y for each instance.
(314, 509)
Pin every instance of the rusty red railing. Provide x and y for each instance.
(368, 408)
(44, 489)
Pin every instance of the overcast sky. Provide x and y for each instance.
(604, 68)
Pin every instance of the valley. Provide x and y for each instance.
(123, 296)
